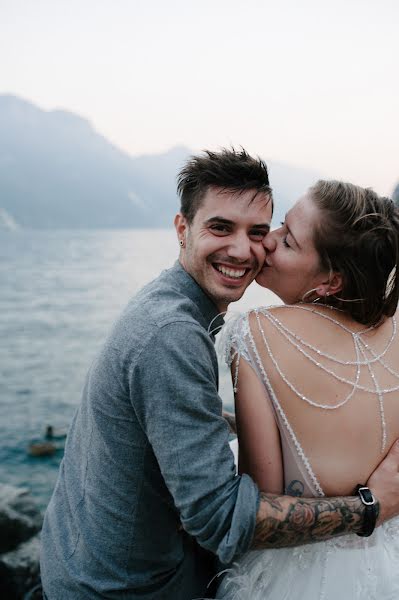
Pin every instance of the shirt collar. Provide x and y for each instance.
(213, 317)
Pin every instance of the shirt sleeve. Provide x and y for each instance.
(181, 412)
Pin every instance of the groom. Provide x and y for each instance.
(147, 493)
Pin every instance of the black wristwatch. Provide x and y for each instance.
(370, 510)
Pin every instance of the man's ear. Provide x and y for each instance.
(181, 227)
(332, 286)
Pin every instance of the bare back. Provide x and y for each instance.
(334, 388)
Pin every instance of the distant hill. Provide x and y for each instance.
(395, 196)
(56, 171)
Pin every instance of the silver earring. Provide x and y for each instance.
(309, 293)
(181, 243)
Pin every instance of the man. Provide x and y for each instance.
(147, 491)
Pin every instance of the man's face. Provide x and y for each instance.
(223, 248)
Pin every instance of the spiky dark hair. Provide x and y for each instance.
(228, 169)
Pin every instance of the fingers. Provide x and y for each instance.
(384, 483)
(227, 414)
(391, 461)
(393, 456)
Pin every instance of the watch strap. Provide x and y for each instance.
(370, 510)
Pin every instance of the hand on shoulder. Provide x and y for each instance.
(384, 484)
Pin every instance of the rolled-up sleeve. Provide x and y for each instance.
(174, 393)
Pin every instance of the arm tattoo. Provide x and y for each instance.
(286, 521)
(295, 488)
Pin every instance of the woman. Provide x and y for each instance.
(317, 388)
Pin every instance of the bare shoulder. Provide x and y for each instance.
(304, 320)
(263, 320)
(284, 313)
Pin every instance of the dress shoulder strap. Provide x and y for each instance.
(238, 341)
(285, 426)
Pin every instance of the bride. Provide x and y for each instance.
(317, 388)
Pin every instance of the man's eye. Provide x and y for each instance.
(219, 228)
(258, 234)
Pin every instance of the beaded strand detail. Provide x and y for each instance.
(283, 416)
(365, 356)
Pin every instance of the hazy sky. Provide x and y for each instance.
(309, 82)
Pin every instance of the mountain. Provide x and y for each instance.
(395, 196)
(57, 171)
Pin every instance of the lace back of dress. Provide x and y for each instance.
(242, 342)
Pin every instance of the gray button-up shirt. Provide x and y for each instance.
(147, 485)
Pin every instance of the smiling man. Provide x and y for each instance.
(221, 248)
(147, 493)
(147, 485)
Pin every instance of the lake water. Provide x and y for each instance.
(60, 292)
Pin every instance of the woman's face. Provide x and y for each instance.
(292, 265)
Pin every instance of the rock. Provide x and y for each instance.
(20, 518)
(19, 570)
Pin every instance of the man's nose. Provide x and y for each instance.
(240, 247)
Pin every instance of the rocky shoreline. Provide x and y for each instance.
(20, 524)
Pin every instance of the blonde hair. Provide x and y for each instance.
(358, 236)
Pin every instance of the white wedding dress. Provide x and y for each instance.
(345, 568)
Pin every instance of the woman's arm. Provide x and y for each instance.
(258, 435)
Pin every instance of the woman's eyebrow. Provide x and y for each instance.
(291, 234)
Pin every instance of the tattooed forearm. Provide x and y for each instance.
(286, 521)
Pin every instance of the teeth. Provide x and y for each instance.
(236, 273)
